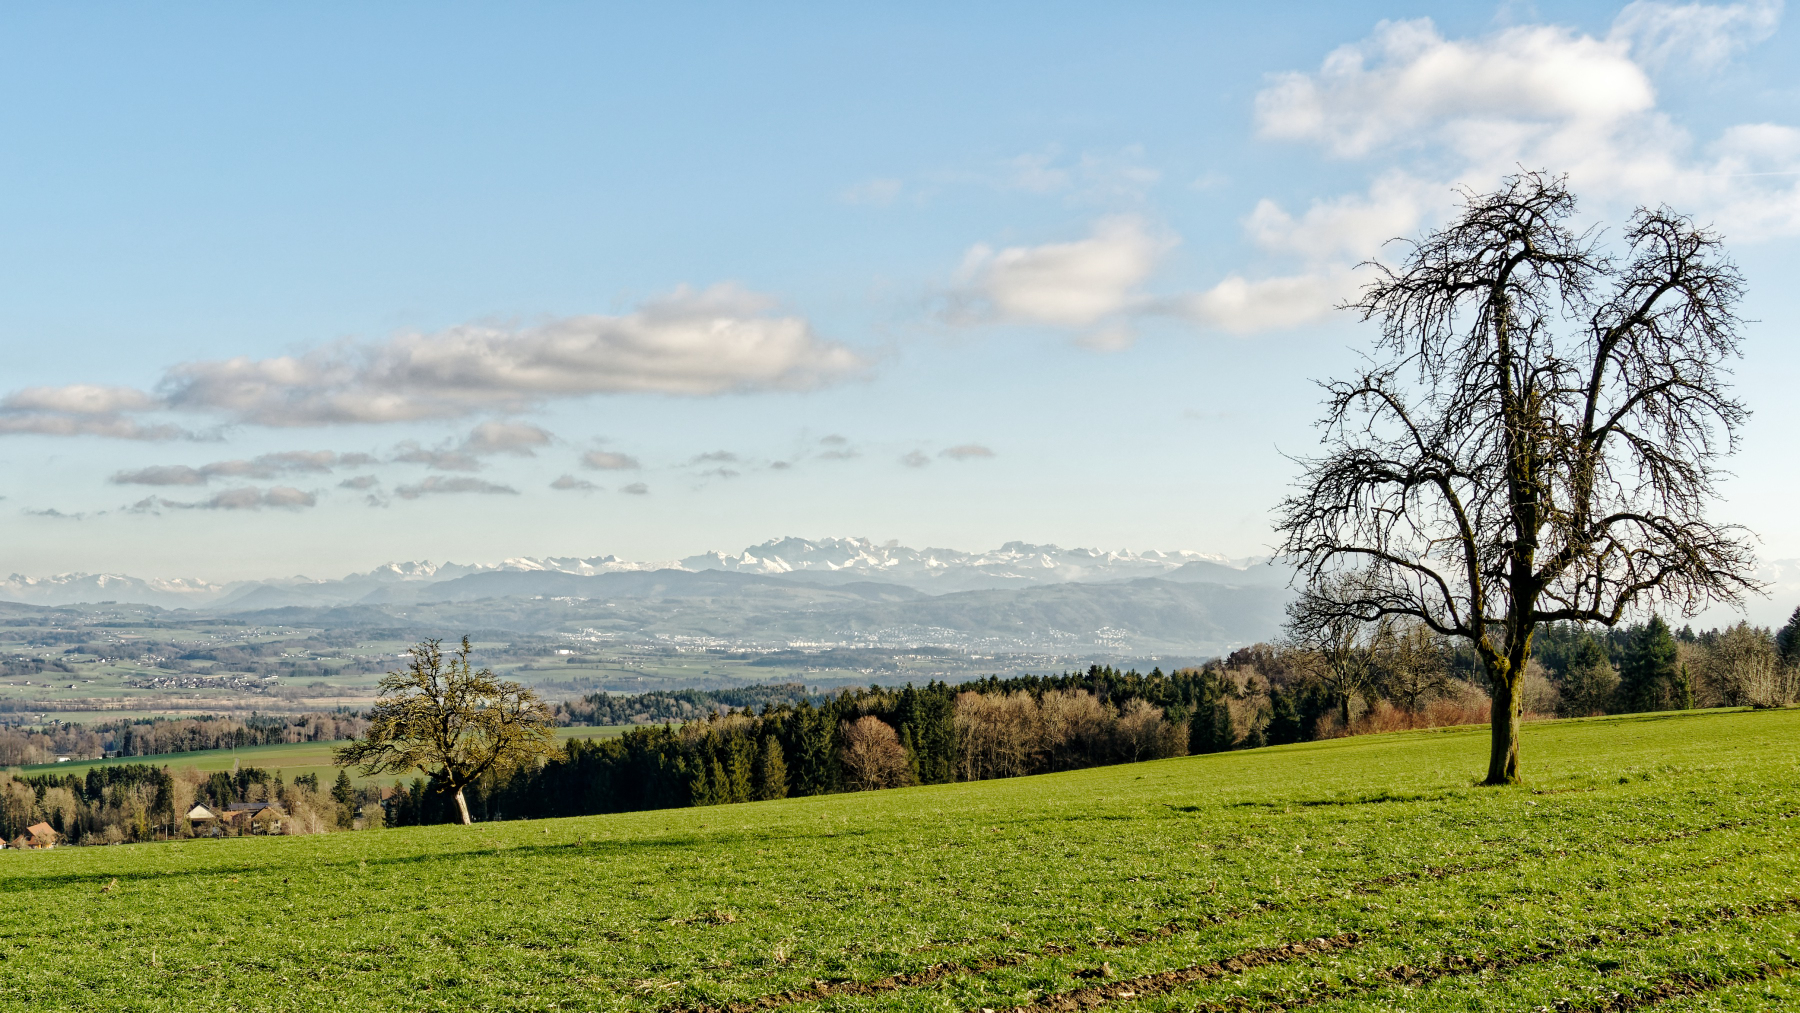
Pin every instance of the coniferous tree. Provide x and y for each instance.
(815, 772)
(1284, 720)
(344, 794)
(1681, 691)
(1209, 729)
(1647, 677)
(771, 771)
(738, 768)
(1589, 682)
(1787, 641)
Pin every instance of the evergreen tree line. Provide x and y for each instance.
(675, 706)
(1650, 667)
(858, 740)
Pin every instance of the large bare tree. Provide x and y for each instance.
(449, 720)
(1536, 437)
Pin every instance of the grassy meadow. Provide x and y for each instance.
(1651, 861)
(290, 758)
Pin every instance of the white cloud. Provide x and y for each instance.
(1702, 36)
(1072, 284)
(435, 458)
(247, 498)
(966, 452)
(266, 466)
(515, 438)
(360, 482)
(569, 483)
(1352, 226)
(438, 485)
(1406, 81)
(719, 340)
(1094, 175)
(80, 399)
(915, 459)
(1242, 306)
(1468, 111)
(607, 460)
(111, 426)
(635, 489)
(879, 192)
(83, 409)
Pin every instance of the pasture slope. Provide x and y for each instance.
(1650, 864)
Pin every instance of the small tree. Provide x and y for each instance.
(451, 722)
(872, 755)
(344, 794)
(1540, 443)
(1412, 666)
(1342, 645)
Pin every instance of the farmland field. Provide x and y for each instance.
(1651, 861)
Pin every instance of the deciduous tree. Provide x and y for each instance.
(454, 723)
(1536, 439)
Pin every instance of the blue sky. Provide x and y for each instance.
(934, 273)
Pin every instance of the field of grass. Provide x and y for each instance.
(1651, 862)
(291, 759)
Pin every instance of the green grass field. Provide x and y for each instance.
(291, 759)
(1651, 862)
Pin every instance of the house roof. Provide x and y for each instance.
(204, 813)
(41, 830)
(255, 807)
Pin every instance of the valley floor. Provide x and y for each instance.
(1650, 862)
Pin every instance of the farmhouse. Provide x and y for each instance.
(37, 837)
(255, 817)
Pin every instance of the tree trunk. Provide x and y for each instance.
(1503, 721)
(463, 805)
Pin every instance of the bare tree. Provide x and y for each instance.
(1341, 645)
(1414, 667)
(454, 723)
(1539, 441)
(873, 757)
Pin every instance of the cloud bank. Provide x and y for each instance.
(718, 340)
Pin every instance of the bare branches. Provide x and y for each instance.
(1542, 440)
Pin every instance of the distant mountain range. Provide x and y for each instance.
(789, 593)
(824, 561)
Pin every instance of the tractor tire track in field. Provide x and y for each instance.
(1677, 987)
(1712, 828)
(1163, 982)
(1454, 966)
(951, 969)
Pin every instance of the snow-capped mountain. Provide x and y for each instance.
(1014, 564)
(825, 560)
(69, 588)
